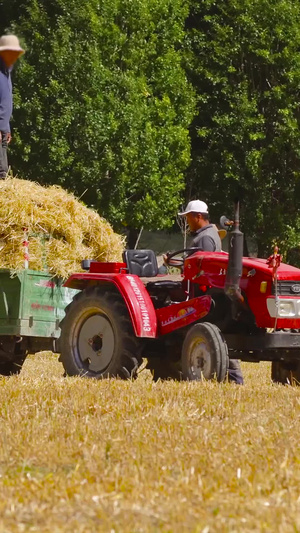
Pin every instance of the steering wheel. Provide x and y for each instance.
(171, 260)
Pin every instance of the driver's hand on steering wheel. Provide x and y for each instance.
(166, 260)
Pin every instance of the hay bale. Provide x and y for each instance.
(62, 231)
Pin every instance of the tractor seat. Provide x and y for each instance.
(143, 263)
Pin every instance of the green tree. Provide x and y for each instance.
(243, 60)
(102, 103)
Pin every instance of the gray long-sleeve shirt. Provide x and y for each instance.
(6, 102)
(206, 239)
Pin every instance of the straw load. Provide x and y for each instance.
(60, 230)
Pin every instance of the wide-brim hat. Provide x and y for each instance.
(10, 42)
(195, 206)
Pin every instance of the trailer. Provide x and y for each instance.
(32, 305)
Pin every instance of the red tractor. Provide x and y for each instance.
(188, 326)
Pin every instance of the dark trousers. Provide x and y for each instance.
(235, 372)
(3, 156)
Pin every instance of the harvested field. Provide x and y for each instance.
(84, 455)
(61, 230)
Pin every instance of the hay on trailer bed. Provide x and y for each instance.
(61, 230)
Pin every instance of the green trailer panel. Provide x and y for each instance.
(32, 303)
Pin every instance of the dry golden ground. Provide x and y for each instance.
(83, 455)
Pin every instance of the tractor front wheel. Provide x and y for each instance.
(204, 353)
(97, 337)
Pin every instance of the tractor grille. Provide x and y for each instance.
(287, 288)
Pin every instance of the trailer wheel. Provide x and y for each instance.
(285, 373)
(97, 337)
(204, 353)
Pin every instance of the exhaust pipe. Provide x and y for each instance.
(235, 260)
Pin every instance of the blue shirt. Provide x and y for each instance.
(6, 102)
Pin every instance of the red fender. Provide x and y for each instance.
(182, 314)
(134, 293)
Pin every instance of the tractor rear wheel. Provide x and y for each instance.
(285, 373)
(204, 353)
(97, 337)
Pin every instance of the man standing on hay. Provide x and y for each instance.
(10, 51)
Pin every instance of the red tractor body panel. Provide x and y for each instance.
(147, 321)
(209, 269)
(182, 314)
(137, 299)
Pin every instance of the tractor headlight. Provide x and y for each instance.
(283, 307)
(286, 309)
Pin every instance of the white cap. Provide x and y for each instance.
(195, 206)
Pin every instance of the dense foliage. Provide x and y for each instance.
(244, 62)
(102, 105)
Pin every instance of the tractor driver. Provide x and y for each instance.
(206, 238)
(205, 235)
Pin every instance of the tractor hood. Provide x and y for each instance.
(211, 267)
(284, 271)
